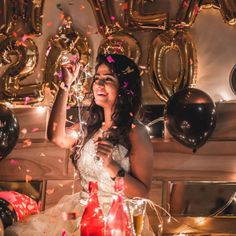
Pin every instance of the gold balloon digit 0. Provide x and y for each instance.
(18, 59)
(165, 78)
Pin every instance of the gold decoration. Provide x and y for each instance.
(121, 43)
(28, 13)
(136, 17)
(70, 45)
(182, 44)
(104, 14)
(189, 10)
(21, 57)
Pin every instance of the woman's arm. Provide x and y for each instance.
(138, 181)
(56, 131)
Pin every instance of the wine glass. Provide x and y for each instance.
(137, 208)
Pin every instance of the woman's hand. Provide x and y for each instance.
(70, 72)
(104, 151)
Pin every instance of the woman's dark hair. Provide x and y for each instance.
(128, 101)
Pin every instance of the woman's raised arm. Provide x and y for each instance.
(56, 130)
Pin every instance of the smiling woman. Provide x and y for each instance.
(113, 145)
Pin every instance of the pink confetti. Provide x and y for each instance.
(27, 99)
(13, 162)
(110, 59)
(185, 4)
(63, 232)
(26, 36)
(125, 84)
(35, 129)
(112, 18)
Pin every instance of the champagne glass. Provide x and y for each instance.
(137, 209)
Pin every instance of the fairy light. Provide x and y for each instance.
(200, 220)
(40, 109)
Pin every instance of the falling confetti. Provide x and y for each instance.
(27, 99)
(35, 130)
(28, 178)
(13, 162)
(50, 191)
(110, 59)
(27, 143)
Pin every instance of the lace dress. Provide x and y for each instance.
(51, 222)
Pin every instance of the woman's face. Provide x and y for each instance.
(105, 87)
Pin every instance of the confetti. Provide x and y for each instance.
(49, 24)
(63, 232)
(124, 6)
(50, 191)
(28, 178)
(81, 7)
(35, 130)
(27, 143)
(24, 131)
(13, 162)
(27, 99)
(110, 59)
(112, 18)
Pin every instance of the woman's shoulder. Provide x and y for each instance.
(139, 130)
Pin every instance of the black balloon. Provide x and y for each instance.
(9, 131)
(190, 117)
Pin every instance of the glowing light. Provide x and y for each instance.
(40, 109)
(200, 220)
(74, 134)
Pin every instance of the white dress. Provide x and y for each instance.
(51, 222)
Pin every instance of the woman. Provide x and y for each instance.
(116, 144)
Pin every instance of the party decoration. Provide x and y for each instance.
(118, 219)
(68, 45)
(9, 131)
(121, 43)
(190, 117)
(27, 12)
(105, 16)
(22, 204)
(189, 9)
(20, 57)
(92, 222)
(137, 18)
(180, 43)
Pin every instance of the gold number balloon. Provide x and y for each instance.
(189, 10)
(67, 44)
(28, 11)
(20, 57)
(136, 18)
(165, 81)
(121, 43)
(104, 12)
